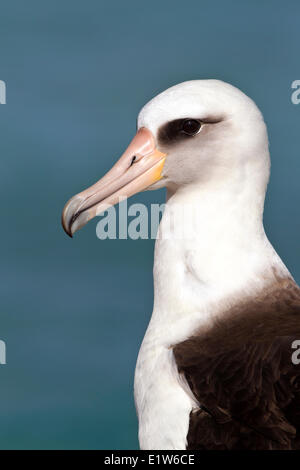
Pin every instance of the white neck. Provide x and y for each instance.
(226, 253)
(195, 278)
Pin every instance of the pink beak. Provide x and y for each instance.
(139, 167)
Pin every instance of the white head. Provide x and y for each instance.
(201, 134)
(232, 138)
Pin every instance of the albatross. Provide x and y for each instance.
(215, 368)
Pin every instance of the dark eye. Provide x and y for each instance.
(191, 126)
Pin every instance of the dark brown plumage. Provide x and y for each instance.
(241, 373)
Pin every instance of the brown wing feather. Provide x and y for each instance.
(242, 375)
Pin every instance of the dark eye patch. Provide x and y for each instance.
(181, 129)
(172, 132)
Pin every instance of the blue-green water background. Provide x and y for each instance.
(73, 312)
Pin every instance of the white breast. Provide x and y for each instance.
(229, 256)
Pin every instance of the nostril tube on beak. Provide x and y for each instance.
(133, 160)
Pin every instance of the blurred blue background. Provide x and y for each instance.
(73, 312)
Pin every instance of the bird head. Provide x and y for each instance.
(198, 133)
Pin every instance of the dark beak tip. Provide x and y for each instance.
(69, 214)
(66, 229)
